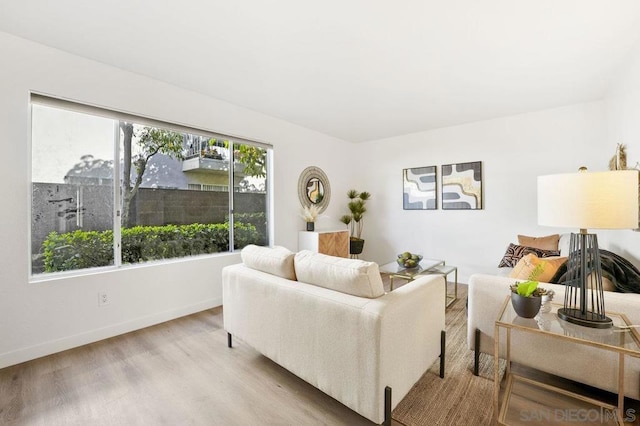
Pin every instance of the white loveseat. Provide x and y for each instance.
(350, 346)
(583, 364)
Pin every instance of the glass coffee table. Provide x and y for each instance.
(425, 267)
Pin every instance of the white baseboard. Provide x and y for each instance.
(47, 348)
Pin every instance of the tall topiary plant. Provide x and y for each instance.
(357, 209)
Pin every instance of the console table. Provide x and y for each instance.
(333, 243)
(520, 391)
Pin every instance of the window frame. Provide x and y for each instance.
(85, 108)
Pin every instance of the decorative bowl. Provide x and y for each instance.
(409, 263)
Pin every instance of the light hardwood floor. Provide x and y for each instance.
(176, 373)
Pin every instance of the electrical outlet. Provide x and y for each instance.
(103, 298)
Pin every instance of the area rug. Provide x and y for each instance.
(460, 398)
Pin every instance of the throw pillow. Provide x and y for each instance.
(272, 260)
(531, 267)
(516, 252)
(550, 242)
(351, 276)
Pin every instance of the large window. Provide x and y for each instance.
(111, 189)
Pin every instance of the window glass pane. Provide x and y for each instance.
(250, 195)
(173, 189)
(72, 190)
(175, 202)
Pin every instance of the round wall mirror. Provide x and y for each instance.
(313, 188)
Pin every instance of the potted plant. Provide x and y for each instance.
(353, 220)
(526, 298)
(310, 214)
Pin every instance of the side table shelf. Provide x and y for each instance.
(528, 401)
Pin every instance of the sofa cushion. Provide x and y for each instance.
(550, 242)
(272, 260)
(516, 252)
(531, 267)
(351, 276)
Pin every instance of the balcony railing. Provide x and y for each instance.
(209, 159)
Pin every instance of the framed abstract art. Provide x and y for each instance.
(462, 186)
(419, 188)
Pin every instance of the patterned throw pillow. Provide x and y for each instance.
(515, 252)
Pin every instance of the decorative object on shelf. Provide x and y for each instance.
(600, 200)
(409, 260)
(310, 213)
(353, 220)
(547, 297)
(419, 188)
(619, 162)
(462, 186)
(526, 298)
(619, 159)
(314, 188)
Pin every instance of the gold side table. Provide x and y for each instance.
(623, 341)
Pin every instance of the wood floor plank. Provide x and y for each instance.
(175, 373)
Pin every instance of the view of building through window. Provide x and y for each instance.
(174, 191)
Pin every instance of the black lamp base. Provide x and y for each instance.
(588, 319)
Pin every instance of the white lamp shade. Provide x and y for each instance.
(585, 200)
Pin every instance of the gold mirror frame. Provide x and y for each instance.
(313, 181)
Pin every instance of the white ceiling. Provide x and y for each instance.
(355, 69)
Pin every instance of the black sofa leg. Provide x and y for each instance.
(387, 406)
(229, 340)
(476, 353)
(443, 345)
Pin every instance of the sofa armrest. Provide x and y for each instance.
(413, 318)
(485, 298)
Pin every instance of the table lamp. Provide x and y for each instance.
(583, 200)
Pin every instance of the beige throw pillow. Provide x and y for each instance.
(531, 267)
(550, 242)
(351, 276)
(272, 260)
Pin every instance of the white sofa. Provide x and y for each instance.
(350, 346)
(583, 364)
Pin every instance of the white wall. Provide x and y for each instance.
(514, 151)
(623, 121)
(41, 318)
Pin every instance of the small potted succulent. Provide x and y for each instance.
(526, 298)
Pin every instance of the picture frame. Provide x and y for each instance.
(461, 186)
(420, 188)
